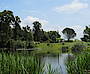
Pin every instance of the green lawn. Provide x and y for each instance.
(48, 48)
(55, 48)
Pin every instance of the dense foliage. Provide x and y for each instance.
(23, 63)
(81, 65)
(86, 37)
(13, 36)
(69, 33)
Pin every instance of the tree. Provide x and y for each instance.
(27, 34)
(17, 29)
(44, 36)
(6, 20)
(69, 33)
(86, 37)
(53, 35)
(11, 33)
(37, 31)
(28, 37)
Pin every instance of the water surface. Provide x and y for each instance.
(56, 62)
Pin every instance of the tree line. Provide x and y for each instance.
(12, 35)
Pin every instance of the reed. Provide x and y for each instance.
(21, 63)
(81, 65)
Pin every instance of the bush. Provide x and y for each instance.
(69, 41)
(77, 48)
(12, 44)
(63, 43)
(64, 49)
(48, 44)
(30, 45)
(88, 43)
(20, 44)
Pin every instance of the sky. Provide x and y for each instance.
(52, 14)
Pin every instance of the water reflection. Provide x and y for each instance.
(56, 62)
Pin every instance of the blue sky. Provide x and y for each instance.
(53, 14)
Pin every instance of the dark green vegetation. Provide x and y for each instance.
(86, 37)
(13, 37)
(11, 34)
(80, 65)
(69, 33)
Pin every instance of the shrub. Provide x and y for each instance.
(64, 49)
(30, 45)
(77, 48)
(88, 43)
(48, 44)
(69, 41)
(63, 43)
(20, 44)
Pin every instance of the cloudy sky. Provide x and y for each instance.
(53, 14)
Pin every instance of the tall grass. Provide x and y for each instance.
(81, 65)
(15, 63)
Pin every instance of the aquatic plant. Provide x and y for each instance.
(81, 65)
(22, 63)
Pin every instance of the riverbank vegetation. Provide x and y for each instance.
(23, 63)
(80, 65)
(13, 37)
(58, 48)
(15, 63)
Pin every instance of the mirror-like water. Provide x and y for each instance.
(56, 62)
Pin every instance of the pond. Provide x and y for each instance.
(56, 62)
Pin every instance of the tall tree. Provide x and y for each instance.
(17, 29)
(37, 30)
(43, 36)
(69, 33)
(6, 20)
(27, 34)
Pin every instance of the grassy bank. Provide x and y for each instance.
(46, 48)
(56, 48)
(25, 63)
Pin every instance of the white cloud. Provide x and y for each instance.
(74, 6)
(29, 20)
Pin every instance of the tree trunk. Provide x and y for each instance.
(68, 39)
